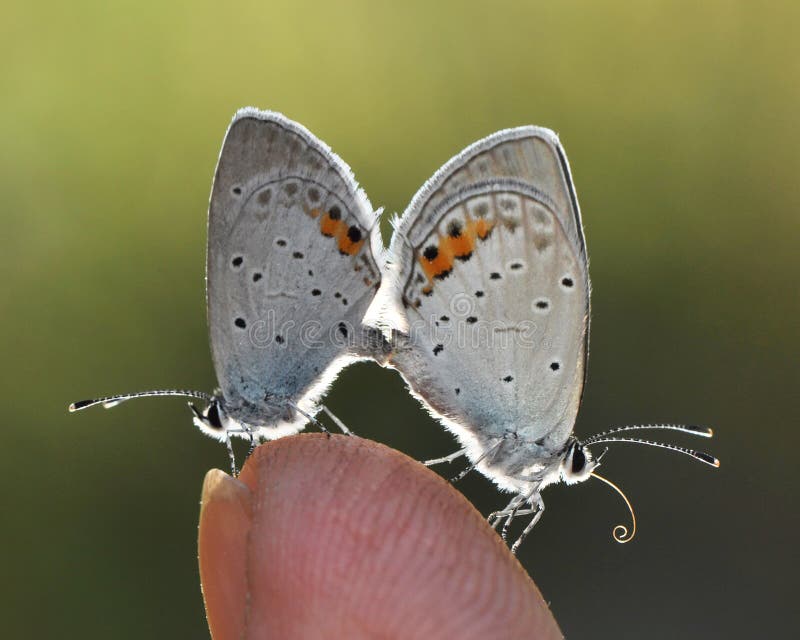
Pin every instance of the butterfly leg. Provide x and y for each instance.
(511, 509)
(342, 426)
(538, 506)
(486, 454)
(229, 444)
(253, 443)
(453, 456)
(310, 418)
(516, 511)
(514, 514)
(496, 516)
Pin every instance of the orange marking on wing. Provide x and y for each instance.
(441, 264)
(314, 213)
(330, 227)
(482, 228)
(450, 247)
(346, 245)
(427, 267)
(461, 245)
(335, 227)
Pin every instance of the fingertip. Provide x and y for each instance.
(354, 539)
(225, 521)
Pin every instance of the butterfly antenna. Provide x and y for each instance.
(342, 426)
(697, 455)
(693, 430)
(620, 532)
(113, 401)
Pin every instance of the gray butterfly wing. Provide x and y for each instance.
(490, 293)
(293, 263)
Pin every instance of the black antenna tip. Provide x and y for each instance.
(77, 406)
(708, 459)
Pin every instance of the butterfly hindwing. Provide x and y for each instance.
(294, 261)
(490, 291)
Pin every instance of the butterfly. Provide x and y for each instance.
(294, 261)
(486, 300)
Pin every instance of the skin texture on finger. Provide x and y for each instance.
(339, 537)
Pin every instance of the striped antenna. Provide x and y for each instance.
(703, 432)
(113, 401)
(697, 455)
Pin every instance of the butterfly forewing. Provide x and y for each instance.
(493, 291)
(293, 264)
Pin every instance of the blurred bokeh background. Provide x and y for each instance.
(680, 121)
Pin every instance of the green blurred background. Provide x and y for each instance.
(680, 121)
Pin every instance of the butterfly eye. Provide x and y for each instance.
(578, 460)
(212, 416)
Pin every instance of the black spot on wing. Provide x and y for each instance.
(354, 234)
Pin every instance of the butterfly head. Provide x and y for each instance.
(577, 463)
(212, 419)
